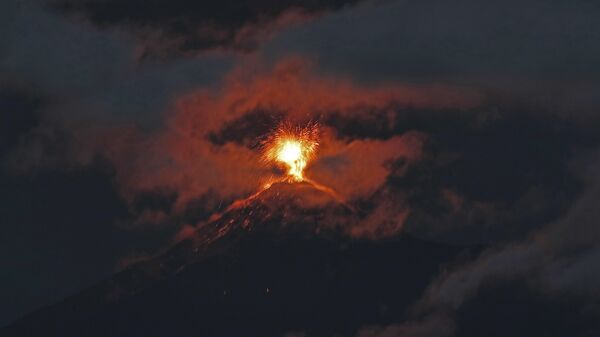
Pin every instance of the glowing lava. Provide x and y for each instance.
(290, 153)
(292, 147)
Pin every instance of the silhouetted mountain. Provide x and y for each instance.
(269, 266)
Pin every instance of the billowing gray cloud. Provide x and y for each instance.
(436, 39)
(91, 75)
(561, 258)
(544, 51)
(184, 26)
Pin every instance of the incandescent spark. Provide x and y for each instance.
(292, 147)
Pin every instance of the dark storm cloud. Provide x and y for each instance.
(180, 26)
(90, 76)
(436, 39)
(561, 258)
(489, 179)
(545, 51)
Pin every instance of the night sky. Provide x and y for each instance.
(462, 136)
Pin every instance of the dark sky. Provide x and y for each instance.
(469, 123)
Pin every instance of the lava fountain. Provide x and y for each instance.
(293, 148)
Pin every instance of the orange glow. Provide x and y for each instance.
(292, 147)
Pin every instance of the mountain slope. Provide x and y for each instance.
(264, 268)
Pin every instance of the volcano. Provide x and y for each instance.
(274, 264)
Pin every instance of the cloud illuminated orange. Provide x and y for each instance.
(181, 157)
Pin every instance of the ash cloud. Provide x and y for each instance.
(207, 146)
(184, 26)
(443, 156)
(541, 51)
(556, 260)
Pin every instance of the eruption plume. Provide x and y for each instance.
(292, 147)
